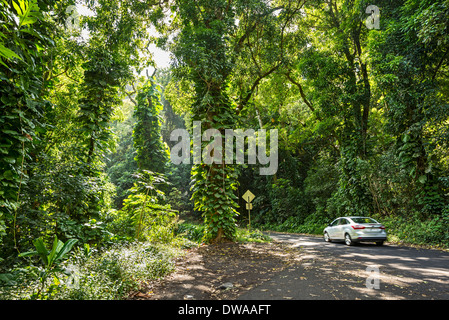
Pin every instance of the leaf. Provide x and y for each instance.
(10, 132)
(18, 9)
(422, 179)
(27, 10)
(28, 20)
(1, 62)
(41, 249)
(9, 160)
(65, 249)
(8, 53)
(57, 245)
(7, 278)
(28, 253)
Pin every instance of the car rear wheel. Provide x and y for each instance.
(348, 240)
(326, 237)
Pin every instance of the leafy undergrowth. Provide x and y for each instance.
(92, 275)
(431, 233)
(195, 232)
(110, 273)
(312, 225)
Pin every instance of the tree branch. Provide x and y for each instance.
(253, 87)
(439, 65)
(239, 45)
(301, 91)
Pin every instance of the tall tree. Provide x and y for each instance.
(24, 33)
(410, 63)
(147, 136)
(224, 49)
(331, 75)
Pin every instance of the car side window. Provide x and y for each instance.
(343, 221)
(333, 224)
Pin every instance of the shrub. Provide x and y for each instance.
(254, 235)
(286, 201)
(144, 219)
(311, 225)
(190, 231)
(92, 275)
(412, 229)
(115, 272)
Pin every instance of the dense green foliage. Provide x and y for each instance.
(147, 130)
(362, 118)
(363, 115)
(92, 275)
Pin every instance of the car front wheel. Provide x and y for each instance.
(326, 237)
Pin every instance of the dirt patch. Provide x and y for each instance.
(201, 272)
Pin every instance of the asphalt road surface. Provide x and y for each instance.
(334, 271)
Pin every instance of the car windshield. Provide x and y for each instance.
(363, 220)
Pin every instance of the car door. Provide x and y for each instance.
(340, 229)
(333, 228)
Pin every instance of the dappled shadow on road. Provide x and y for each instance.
(420, 273)
(304, 267)
(201, 272)
(336, 271)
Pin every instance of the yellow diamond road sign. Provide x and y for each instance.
(248, 196)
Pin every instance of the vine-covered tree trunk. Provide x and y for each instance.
(203, 48)
(147, 131)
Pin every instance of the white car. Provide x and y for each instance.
(355, 229)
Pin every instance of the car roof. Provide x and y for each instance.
(352, 217)
(357, 217)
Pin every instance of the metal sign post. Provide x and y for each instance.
(248, 197)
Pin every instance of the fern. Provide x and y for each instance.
(28, 11)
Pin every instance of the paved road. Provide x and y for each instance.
(335, 271)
